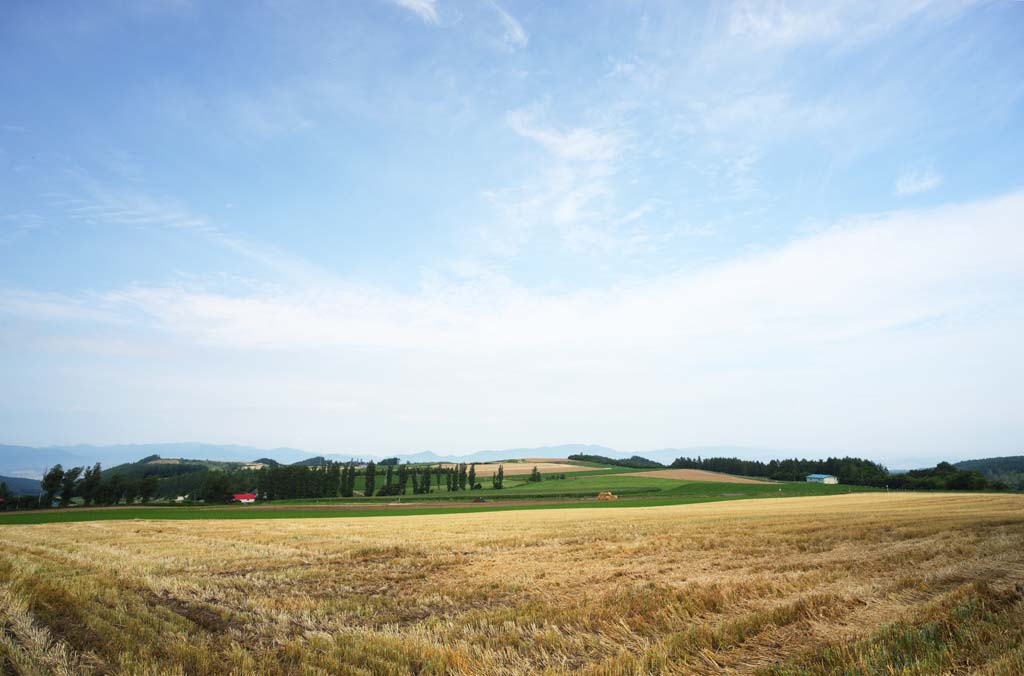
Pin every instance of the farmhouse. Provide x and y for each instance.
(244, 498)
(822, 479)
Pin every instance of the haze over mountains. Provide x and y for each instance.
(32, 461)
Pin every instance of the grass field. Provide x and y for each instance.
(568, 494)
(847, 584)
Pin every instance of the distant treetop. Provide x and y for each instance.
(635, 462)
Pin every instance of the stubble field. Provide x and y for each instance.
(856, 584)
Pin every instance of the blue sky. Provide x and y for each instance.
(413, 224)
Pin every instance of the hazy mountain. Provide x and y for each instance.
(31, 461)
(516, 453)
(20, 486)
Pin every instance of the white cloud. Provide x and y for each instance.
(424, 9)
(861, 277)
(581, 143)
(917, 181)
(789, 23)
(514, 36)
(780, 24)
(571, 191)
(876, 329)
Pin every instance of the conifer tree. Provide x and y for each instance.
(403, 478)
(335, 483)
(51, 483)
(68, 484)
(90, 483)
(371, 478)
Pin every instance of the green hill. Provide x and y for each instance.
(318, 461)
(1008, 469)
(21, 486)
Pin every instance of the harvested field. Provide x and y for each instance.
(843, 584)
(697, 475)
(484, 470)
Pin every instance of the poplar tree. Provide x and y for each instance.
(403, 478)
(336, 479)
(472, 476)
(371, 478)
(501, 477)
(344, 481)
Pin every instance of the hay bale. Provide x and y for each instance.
(605, 496)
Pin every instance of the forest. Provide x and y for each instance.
(856, 471)
(147, 480)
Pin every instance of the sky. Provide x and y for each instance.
(399, 225)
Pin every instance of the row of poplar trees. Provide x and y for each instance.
(396, 479)
(285, 482)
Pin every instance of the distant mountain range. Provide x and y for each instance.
(32, 461)
(20, 486)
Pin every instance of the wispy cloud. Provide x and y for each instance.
(581, 143)
(100, 205)
(778, 23)
(861, 276)
(424, 9)
(571, 191)
(514, 36)
(862, 303)
(917, 181)
(789, 23)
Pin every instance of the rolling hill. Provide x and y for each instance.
(21, 486)
(1008, 469)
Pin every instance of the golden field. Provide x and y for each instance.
(857, 584)
(484, 470)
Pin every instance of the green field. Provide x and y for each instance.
(589, 484)
(638, 491)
